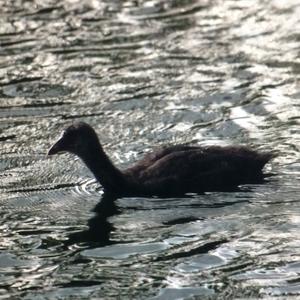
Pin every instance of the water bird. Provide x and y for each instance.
(169, 171)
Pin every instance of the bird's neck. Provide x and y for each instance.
(110, 177)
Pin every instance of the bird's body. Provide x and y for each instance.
(180, 169)
(169, 171)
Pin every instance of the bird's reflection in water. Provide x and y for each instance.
(99, 228)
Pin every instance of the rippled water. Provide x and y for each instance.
(146, 73)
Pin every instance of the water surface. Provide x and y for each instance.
(147, 73)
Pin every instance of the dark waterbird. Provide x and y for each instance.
(169, 171)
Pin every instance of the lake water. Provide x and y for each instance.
(144, 74)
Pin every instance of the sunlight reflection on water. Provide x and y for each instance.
(146, 73)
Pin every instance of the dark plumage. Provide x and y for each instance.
(170, 171)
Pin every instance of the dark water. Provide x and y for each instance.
(145, 73)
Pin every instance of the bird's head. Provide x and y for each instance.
(77, 139)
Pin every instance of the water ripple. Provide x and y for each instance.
(146, 73)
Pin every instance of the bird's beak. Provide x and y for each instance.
(57, 147)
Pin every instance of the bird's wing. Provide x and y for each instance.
(155, 157)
